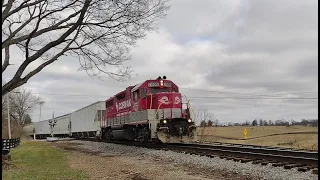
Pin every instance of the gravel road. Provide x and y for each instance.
(227, 168)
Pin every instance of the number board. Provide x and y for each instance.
(166, 84)
(153, 84)
(156, 84)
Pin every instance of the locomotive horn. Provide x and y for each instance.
(164, 77)
(159, 78)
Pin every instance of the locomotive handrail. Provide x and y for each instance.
(189, 105)
(154, 119)
(194, 115)
(150, 101)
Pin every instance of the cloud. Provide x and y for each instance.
(242, 46)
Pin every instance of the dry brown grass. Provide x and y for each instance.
(258, 131)
(299, 141)
(16, 131)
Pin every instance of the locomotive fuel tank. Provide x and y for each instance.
(122, 134)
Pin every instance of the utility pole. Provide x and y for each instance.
(8, 107)
(40, 103)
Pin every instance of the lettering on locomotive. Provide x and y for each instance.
(123, 104)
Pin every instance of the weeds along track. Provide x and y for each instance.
(287, 158)
(277, 134)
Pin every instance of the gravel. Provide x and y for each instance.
(245, 169)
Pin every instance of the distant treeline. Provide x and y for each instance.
(261, 122)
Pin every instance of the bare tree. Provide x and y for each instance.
(98, 33)
(204, 116)
(21, 105)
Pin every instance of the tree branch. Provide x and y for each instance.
(103, 32)
(6, 59)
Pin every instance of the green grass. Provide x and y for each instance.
(39, 160)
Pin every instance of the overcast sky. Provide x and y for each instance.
(267, 47)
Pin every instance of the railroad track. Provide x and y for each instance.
(264, 155)
(303, 160)
(255, 146)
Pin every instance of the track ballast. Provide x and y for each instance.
(278, 157)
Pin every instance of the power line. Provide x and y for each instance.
(268, 95)
(194, 98)
(208, 97)
(56, 94)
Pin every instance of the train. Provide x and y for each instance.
(149, 111)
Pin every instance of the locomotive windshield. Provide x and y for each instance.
(164, 90)
(159, 90)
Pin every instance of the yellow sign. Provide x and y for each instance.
(245, 132)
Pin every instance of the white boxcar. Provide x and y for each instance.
(42, 127)
(62, 125)
(88, 118)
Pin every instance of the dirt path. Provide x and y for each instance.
(100, 166)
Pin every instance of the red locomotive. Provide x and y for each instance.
(151, 110)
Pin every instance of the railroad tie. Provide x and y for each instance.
(245, 160)
(290, 166)
(315, 171)
(266, 163)
(304, 168)
(237, 159)
(257, 161)
(222, 157)
(279, 164)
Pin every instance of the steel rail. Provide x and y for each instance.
(249, 154)
(302, 158)
(257, 149)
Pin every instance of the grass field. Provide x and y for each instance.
(38, 161)
(262, 135)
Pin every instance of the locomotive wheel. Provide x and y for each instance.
(143, 135)
(108, 135)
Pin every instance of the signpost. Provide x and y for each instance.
(245, 132)
(52, 124)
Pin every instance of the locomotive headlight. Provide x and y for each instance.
(161, 83)
(164, 121)
(189, 120)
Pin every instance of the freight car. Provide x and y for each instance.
(85, 122)
(82, 123)
(152, 110)
(62, 126)
(42, 129)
